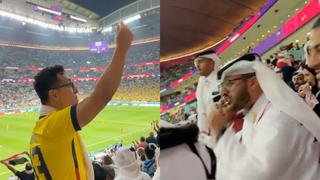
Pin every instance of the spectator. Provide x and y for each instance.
(128, 165)
(151, 138)
(149, 165)
(142, 143)
(27, 174)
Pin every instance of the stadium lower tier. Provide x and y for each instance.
(22, 95)
(115, 124)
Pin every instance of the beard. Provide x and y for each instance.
(241, 99)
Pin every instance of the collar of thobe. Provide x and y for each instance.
(257, 109)
(212, 78)
(45, 110)
(280, 95)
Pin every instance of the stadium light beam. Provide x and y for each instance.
(131, 19)
(78, 19)
(48, 10)
(107, 29)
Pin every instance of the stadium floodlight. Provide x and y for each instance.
(44, 24)
(107, 29)
(234, 37)
(48, 10)
(131, 19)
(78, 19)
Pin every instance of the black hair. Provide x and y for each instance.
(45, 80)
(107, 160)
(150, 151)
(268, 61)
(99, 172)
(142, 138)
(28, 166)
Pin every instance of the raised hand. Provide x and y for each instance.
(124, 36)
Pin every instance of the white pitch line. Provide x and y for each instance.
(115, 137)
(137, 124)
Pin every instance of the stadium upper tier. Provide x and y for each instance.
(12, 30)
(17, 63)
(22, 57)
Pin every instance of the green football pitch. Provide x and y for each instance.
(114, 124)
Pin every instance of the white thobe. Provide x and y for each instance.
(179, 162)
(273, 147)
(206, 86)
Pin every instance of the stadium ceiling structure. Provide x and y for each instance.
(71, 6)
(188, 26)
(81, 10)
(269, 23)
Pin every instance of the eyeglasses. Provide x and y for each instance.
(229, 82)
(315, 48)
(70, 84)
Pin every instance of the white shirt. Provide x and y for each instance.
(141, 176)
(206, 86)
(273, 146)
(180, 163)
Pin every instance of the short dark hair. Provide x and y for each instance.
(107, 160)
(28, 166)
(142, 138)
(99, 172)
(45, 80)
(150, 151)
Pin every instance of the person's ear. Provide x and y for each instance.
(52, 94)
(252, 83)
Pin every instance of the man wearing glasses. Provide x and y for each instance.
(57, 151)
(280, 133)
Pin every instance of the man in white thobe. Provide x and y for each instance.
(177, 161)
(280, 132)
(207, 64)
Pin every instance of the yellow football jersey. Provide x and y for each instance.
(56, 148)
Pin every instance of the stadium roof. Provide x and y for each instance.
(102, 7)
(188, 25)
(67, 4)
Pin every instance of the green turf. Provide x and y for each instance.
(114, 124)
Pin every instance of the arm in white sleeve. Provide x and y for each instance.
(271, 151)
(201, 112)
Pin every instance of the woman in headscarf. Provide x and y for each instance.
(309, 89)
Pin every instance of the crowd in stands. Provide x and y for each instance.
(178, 95)
(288, 62)
(174, 73)
(119, 162)
(23, 57)
(21, 94)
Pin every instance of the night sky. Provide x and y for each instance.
(103, 7)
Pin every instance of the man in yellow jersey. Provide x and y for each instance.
(57, 150)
